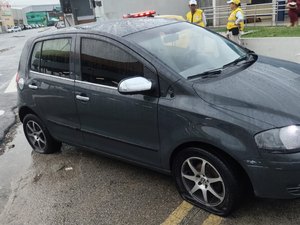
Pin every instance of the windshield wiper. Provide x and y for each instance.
(242, 58)
(205, 74)
(249, 57)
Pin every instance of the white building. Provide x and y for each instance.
(114, 9)
(19, 13)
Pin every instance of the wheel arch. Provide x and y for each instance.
(23, 111)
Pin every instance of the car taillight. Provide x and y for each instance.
(140, 14)
(20, 81)
(17, 77)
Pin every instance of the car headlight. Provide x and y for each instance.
(284, 139)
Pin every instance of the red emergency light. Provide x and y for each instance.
(149, 13)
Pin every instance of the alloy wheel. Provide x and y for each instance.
(203, 181)
(36, 135)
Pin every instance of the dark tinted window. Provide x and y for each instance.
(35, 57)
(55, 58)
(106, 64)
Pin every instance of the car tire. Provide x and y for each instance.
(206, 180)
(38, 136)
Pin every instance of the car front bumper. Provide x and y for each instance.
(277, 177)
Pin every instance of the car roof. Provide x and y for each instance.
(122, 27)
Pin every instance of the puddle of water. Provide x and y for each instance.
(13, 162)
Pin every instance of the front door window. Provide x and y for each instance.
(105, 64)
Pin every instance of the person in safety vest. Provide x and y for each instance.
(196, 16)
(235, 24)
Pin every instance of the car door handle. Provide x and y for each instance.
(33, 86)
(82, 98)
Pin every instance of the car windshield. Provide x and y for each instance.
(188, 49)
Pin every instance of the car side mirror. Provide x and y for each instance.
(134, 85)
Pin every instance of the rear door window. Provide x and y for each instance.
(52, 57)
(55, 58)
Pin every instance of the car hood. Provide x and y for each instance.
(268, 90)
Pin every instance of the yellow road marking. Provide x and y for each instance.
(212, 220)
(178, 214)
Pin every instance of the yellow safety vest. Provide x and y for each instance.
(195, 18)
(232, 18)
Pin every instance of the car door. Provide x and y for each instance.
(51, 86)
(122, 125)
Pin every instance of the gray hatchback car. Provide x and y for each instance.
(170, 96)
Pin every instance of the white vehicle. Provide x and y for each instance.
(14, 29)
(60, 24)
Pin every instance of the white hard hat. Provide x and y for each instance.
(192, 2)
(234, 2)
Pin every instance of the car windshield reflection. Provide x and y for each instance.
(188, 49)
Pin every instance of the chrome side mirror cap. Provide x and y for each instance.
(134, 85)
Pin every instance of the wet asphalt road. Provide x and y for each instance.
(78, 187)
(75, 186)
(11, 45)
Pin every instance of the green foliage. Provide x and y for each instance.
(255, 32)
(278, 31)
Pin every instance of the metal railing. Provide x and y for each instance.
(256, 14)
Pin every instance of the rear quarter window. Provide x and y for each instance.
(35, 57)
